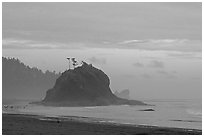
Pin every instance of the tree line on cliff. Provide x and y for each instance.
(20, 81)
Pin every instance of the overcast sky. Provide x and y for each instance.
(153, 49)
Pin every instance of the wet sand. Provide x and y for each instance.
(17, 124)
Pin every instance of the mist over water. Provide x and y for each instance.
(172, 78)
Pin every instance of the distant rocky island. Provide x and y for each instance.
(83, 86)
(123, 94)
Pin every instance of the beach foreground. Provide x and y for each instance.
(31, 125)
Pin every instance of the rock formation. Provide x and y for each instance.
(150, 109)
(84, 86)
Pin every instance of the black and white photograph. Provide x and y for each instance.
(102, 68)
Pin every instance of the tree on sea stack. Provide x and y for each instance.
(69, 62)
(74, 62)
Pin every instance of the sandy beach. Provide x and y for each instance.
(17, 124)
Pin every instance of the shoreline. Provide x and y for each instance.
(29, 124)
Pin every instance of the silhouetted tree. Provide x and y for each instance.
(69, 62)
(74, 62)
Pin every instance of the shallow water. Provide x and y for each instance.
(168, 113)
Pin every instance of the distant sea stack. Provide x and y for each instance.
(84, 86)
(123, 94)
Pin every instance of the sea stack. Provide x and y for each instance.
(123, 94)
(84, 86)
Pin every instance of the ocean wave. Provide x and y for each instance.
(179, 120)
(194, 112)
(91, 107)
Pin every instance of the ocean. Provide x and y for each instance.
(167, 113)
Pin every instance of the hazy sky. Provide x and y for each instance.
(153, 49)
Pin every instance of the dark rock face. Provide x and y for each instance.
(148, 110)
(83, 86)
